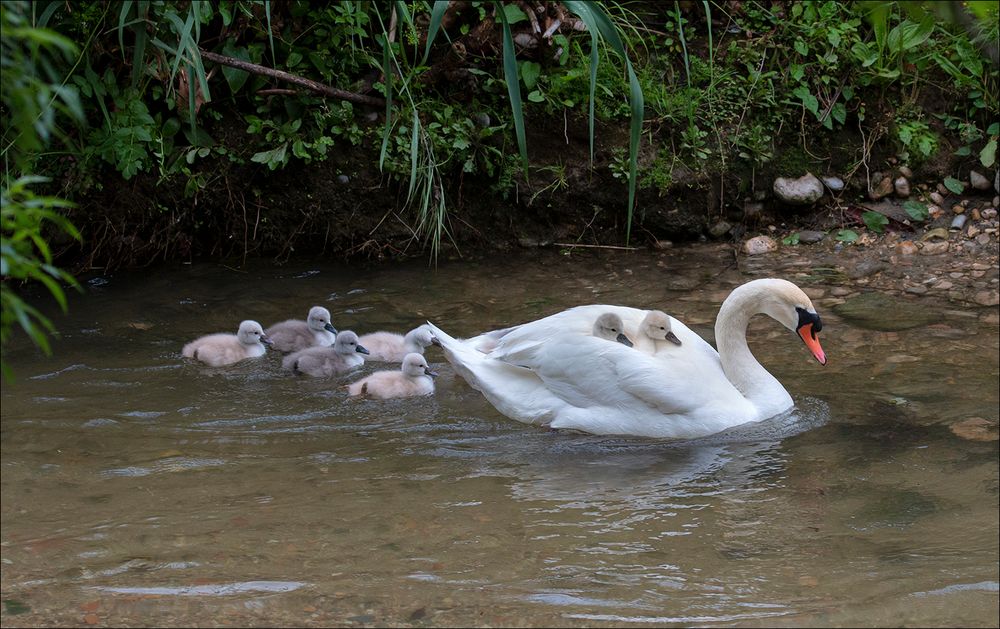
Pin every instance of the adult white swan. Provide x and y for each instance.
(551, 371)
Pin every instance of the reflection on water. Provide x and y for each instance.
(139, 488)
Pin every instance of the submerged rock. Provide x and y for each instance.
(805, 190)
(877, 311)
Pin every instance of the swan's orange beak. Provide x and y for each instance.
(812, 342)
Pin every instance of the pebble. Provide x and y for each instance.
(906, 172)
(882, 189)
(941, 189)
(840, 291)
(987, 298)
(935, 248)
(975, 214)
(760, 244)
(902, 187)
(983, 239)
(978, 181)
(973, 232)
(835, 184)
(917, 289)
(343, 179)
(957, 209)
(944, 285)
(958, 222)
(937, 198)
(990, 212)
(907, 248)
(996, 201)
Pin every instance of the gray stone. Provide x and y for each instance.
(866, 268)
(835, 184)
(906, 172)
(805, 190)
(958, 222)
(760, 244)
(342, 179)
(720, 229)
(902, 187)
(810, 236)
(937, 198)
(978, 181)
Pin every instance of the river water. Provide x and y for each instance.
(142, 489)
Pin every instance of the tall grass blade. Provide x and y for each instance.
(514, 89)
(440, 6)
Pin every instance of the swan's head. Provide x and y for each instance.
(415, 365)
(347, 343)
(423, 336)
(609, 326)
(656, 325)
(319, 319)
(251, 333)
(787, 303)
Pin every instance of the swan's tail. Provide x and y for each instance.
(515, 391)
(461, 356)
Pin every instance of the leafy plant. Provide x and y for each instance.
(954, 185)
(875, 221)
(847, 236)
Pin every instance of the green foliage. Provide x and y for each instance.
(917, 210)
(875, 221)
(26, 256)
(954, 185)
(847, 236)
(34, 96)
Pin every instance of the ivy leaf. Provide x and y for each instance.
(954, 185)
(988, 156)
(514, 13)
(875, 221)
(916, 210)
(847, 235)
(529, 73)
(839, 113)
(801, 48)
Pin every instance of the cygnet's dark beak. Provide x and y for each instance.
(361, 349)
(673, 338)
(430, 372)
(265, 340)
(329, 328)
(621, 338)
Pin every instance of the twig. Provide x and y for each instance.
(568, 244)
(320, 88)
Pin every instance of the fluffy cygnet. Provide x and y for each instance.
(344, 355)
(295, 334)
(415, 378)
(393, 348)
(609, 326)
(654, 333)
(225, 349)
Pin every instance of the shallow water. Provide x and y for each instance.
(139, 488)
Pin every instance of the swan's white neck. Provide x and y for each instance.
(741, 368)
